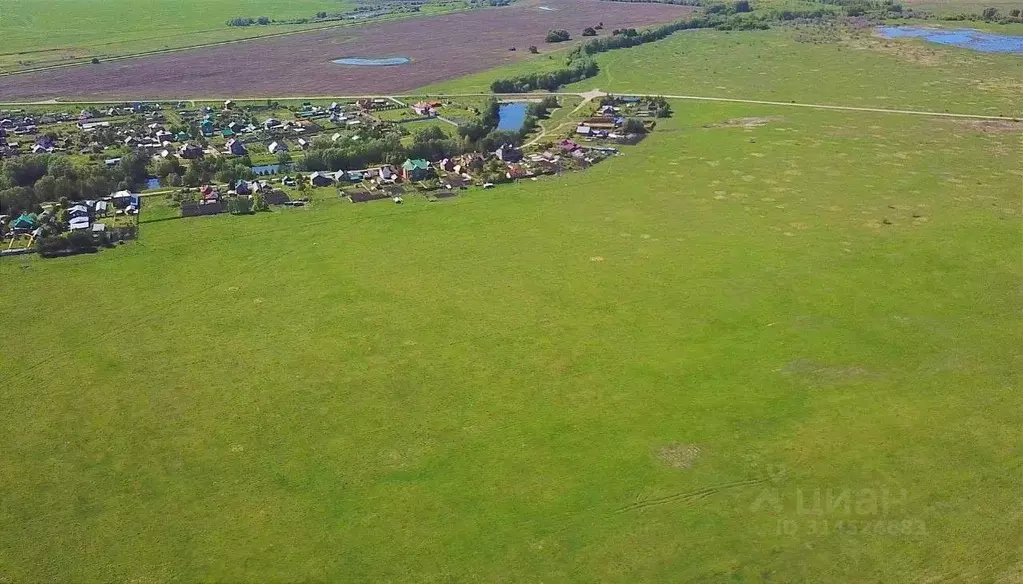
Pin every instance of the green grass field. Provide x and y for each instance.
(859, 70)
(767, 344)
(492, 387)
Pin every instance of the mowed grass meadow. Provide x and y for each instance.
(641, 372)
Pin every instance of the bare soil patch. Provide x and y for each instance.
(996, 126)
(680, 456)
(819, 374)
(743, 123)
(300, 65)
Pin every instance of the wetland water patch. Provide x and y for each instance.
(965, 38)
(365, 62)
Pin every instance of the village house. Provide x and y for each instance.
(92, 126)
(319, 179)
(276, 147)
(508, 153)
(209, 193)
(601, 122)
(417, 169)
(386, 174)
(519, 171)
(190, 152)
(235, 147)
(473, 162)
(426, 108)
(78, 211)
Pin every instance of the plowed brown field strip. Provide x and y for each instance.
(441, 47)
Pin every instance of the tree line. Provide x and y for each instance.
(577, 70)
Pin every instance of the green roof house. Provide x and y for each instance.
(415, 169)
(25, 221)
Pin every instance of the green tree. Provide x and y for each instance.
(634, 126)
(168, 166)
(557, 36)
(192, 176)
(259, 203)
(46, 188)
(135, 166)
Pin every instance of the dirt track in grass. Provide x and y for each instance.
(441, 47)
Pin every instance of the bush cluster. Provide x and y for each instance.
(242, 21)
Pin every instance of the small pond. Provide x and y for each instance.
(511, 116)
(152, 183)
(965, 38)
(361, 62)
(263, 169)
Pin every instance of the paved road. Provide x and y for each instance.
(586, 96)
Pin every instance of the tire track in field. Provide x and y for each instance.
(688, 497)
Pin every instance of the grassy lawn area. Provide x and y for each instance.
(805, 64)
(600, 377)
(858, 71)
